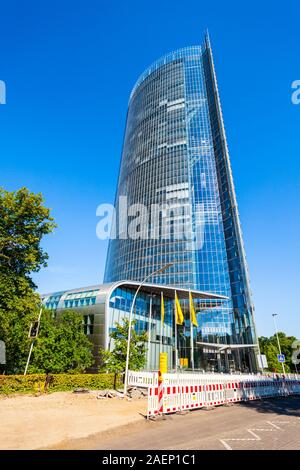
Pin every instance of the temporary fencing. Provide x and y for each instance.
(142, 379)
(185, 391)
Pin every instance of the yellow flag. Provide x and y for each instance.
(178, 312)
(162, 306)
(192, 311)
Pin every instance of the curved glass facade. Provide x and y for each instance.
(102, 306)
(175, 163)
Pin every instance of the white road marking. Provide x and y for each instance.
(264, 429)
(255, 437)
(225, 444)
(273, 424)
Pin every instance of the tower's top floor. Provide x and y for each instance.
(185, 52)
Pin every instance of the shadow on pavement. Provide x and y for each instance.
(282, 406)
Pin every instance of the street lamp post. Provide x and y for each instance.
(160, 270)
(279, 347)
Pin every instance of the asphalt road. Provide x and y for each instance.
(261, 425)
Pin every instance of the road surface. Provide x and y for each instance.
(259, 425)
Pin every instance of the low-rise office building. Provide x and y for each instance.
(101, 306)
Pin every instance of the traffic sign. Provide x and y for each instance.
(281, 357)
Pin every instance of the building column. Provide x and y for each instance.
(226, 360)
(219, 361)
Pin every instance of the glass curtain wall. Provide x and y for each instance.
(175, 156)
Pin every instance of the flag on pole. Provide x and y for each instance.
(178, 312)
(162, 306)
(192, 311)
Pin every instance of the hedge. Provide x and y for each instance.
(34, 383)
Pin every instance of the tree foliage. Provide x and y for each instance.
(18, 307)
(24, 220)
(269, 347)
(115, 360)
(61, 345)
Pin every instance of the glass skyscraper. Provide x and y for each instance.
(175, 162)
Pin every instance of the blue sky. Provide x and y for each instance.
(69, 67)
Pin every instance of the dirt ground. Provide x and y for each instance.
(34, 422)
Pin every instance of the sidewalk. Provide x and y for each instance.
(30, 422)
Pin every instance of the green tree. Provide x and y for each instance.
(61, 345)
(23, 222)
(18, 307)
(115, 360)
(269, 347)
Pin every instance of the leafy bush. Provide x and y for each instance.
(20, 383)
(34, 383)
(61, 347)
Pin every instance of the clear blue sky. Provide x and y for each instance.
(69, 67)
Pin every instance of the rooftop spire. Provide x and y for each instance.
(207, 39)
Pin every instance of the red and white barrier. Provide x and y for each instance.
(179, 392)
(152, 401)
(142, 379)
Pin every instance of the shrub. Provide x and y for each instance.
(34, 383)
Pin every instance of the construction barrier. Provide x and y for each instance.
(142, 379)
(185, 391)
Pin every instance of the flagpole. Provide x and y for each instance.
(192, 333)
(161, 324)
(175, 333)
(149, 333)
